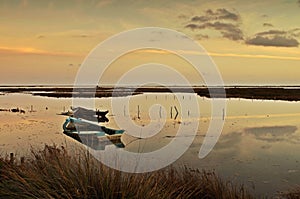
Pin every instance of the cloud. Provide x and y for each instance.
(40, 36)
(258, 56)
(221, 20)
(192, 26)
(299, 2)
(276, 38)
(227, 30)
(34, 51)
(202, 36)
(295, 32)
(219, 14)
(267, 25)
(272, 32)
(276, 41)
(182, 16)
(75, 33)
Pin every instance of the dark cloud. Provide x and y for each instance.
(299, 2)
(40, 36)
(264, 16)
(221, 20)
(267, 25)
(219, 14)
(227, 30)
(200, 19)
(202, 36)
(276, 41)
(272, 32)
(276, 38)
(228, 25)
(192, 26)
(225, 14)
(272, 133)
(81, 35)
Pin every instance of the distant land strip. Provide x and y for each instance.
(287, 93)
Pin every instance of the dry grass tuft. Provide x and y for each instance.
(53, 173)
(293, 193)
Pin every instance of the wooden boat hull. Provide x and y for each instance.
(92, 135)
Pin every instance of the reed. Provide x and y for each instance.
(54, 173)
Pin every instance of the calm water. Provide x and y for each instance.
(259, 145)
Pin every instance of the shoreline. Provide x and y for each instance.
(290, 93)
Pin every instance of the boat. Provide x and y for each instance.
(92, 134)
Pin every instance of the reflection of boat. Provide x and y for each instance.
(91, 134)
(88, 114)
(84, 111)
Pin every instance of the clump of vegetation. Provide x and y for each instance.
(293, 193)
(54, 173)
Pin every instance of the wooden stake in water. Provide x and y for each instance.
(176, 113)
(171, 112)
(223, 114)
(160, 112)
(139, 112)
(124, 110)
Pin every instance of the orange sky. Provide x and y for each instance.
(44, 42)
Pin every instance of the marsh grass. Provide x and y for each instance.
(293, 193)
(54, 173)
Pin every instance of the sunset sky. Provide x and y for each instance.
(251, 42)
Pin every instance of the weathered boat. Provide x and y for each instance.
(92, 134)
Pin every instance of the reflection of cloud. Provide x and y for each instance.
(272, 133)
(277, 38)
(229, 141)
(228, 145)
(221, 20)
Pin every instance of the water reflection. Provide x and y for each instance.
(259, 145)
(272, 133)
